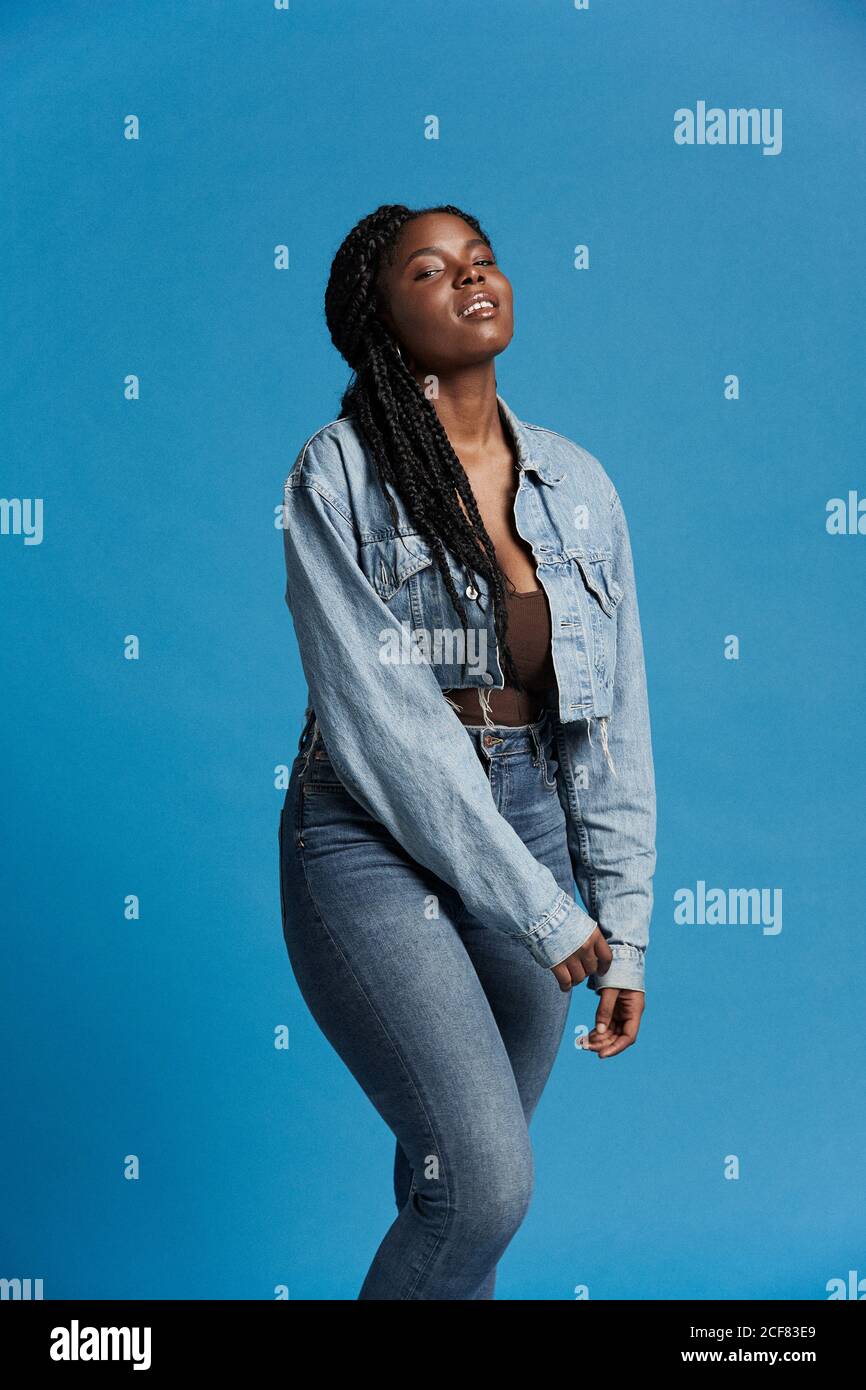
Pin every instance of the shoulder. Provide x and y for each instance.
(579, 464)
(324, 455)
(327, 462)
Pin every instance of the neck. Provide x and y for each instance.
(469, 411)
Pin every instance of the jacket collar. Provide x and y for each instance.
(527, 459)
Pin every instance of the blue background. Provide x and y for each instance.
(160, 777)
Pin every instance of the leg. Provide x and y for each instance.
(402, 1189)
(530, 1012)
(384, 971)
(529, 1007)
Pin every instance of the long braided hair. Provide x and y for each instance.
(404, 434)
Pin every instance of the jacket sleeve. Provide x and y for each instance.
(611, 815)
(396, 743)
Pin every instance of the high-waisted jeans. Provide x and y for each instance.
(450, 1027)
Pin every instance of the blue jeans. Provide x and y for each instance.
(450, 1027)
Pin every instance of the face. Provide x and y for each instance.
(439, 267)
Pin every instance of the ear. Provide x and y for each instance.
(383, 313)
(385, 317)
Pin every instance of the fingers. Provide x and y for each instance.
(593, 957)
(619, 1041)
(563, 976)
(605, 958)
(577, 969)
(600, 1036)
(616, 1024)
(606, 1005)
(569, 973)
(594, 953)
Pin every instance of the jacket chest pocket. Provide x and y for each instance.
(406, 577)
(392, 565)
(603, 593)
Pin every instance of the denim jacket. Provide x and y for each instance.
(380, 642)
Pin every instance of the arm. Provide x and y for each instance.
(612, 819)
(396, 743)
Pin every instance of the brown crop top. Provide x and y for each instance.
(529, 640)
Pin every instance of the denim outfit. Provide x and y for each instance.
(427, 867)
(380, 642)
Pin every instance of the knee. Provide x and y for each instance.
(503, 1210)
(492, 1199)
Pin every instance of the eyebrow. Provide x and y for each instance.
(426, 250)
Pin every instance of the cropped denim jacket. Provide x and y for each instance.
(380, 642)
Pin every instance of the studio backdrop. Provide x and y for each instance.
(675, 191)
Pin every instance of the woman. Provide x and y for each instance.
(462, 591)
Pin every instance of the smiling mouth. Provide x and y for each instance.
(479, 308)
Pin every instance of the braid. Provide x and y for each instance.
(412, 453)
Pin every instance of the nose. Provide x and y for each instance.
(472, 273)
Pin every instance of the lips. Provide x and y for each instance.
(480, 305)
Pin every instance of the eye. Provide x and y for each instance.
(435, 270)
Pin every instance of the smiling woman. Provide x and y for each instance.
(448, 305)
(480, 306)
(445, 801)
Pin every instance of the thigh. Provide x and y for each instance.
(525, 999)
(385, 972)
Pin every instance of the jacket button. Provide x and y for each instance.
(471, 591)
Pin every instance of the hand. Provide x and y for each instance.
(616, 1022)
(592, 958)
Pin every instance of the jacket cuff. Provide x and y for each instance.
(626, 970)
(560, 932)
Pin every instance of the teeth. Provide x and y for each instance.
(477, 304)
